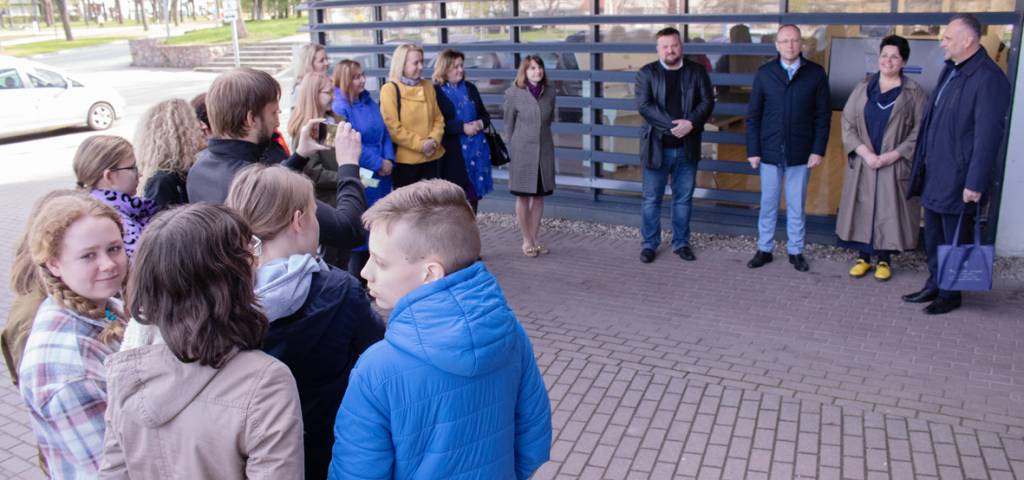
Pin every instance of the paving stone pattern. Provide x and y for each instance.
(710, 370)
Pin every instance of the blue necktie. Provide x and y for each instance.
(790, 70)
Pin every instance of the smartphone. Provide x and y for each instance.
(325, 133)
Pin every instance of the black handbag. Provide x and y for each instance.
(499, 153)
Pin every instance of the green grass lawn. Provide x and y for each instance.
(258, 31)
(49, 46)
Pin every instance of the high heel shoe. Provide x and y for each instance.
(541, 249)
(530, 251)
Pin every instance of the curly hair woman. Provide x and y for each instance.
(167, 141)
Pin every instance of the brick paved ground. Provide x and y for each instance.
(709, 370)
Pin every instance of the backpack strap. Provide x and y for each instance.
(398, 100)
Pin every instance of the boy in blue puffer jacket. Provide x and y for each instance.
(453, 391)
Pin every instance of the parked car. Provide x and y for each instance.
(36, 97)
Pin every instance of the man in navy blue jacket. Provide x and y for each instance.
(960, 138)
(787, 130)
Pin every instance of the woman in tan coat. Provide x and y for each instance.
(880, 126)
(203, 401)
(529, 111)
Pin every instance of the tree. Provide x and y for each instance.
(62, 6)
(48, 12)
(140, 8)
(120, 17)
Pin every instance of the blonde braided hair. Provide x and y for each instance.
(46, 238)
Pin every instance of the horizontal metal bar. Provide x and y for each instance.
(572, 154)
(730, 108)
(616, 158)
(726, 166)
(629, 76)
(564, 47)
(878, 18)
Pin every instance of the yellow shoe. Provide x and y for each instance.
(883, 272)
(860, 269)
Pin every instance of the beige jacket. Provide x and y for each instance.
(873, 206)
(170, 420)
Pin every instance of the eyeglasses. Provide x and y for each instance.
(134, 166)
(256, 246)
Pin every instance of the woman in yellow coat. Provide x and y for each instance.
(409, 107)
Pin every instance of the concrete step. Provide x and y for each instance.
(221, 69)
(251, 58)
(269, 57)
(262, 53)
(224, 62)
(267, 47)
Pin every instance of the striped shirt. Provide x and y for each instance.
(63, 383)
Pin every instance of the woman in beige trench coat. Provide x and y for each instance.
(880, 126)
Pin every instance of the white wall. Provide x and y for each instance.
(1010, 237)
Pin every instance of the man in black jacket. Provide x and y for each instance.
(243, 108)
(675, 98)
(787, 131)
(956, 152)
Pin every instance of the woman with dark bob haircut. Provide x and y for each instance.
(203, 393)
(880, 125)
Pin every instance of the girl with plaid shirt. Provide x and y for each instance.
(77, 248)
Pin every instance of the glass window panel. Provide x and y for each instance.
(553, 8)
(10, 79)
(840, 6)
(478, 34)
(420, 36)
(633, 33)
(555, 33)
(956, 5)
(641, 7)
(415, 11)
(734, 6)
(348, 15)
(479, 9)
(46, 79)
(349, 37)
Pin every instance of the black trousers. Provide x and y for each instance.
(939, 229)
(404, 174)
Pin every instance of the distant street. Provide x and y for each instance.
(49, 155)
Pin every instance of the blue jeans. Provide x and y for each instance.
(772, 178)
(684, 176)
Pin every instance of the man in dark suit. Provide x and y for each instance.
(787, 131)
(675, 98)
(960, 138)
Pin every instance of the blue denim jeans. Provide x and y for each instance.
(684, 175)
(772, 178)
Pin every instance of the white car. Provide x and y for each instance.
(35, 97)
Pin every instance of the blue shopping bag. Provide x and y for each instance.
(968, 266)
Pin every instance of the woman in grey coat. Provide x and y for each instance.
(529, 111)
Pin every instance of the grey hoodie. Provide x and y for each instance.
(172, 420)
(282, 284)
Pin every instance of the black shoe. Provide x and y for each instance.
(799, 262)
(942, 305)
(922, 296)
(760, 258)
(686, 253)
(647, 255)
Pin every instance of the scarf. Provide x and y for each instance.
(535, 90)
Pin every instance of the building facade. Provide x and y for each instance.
(592, 49)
